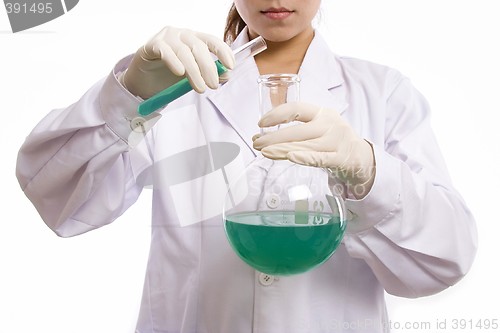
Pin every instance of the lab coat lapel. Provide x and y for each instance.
(319, 75)
(238, 101)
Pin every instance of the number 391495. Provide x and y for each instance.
(24, 8)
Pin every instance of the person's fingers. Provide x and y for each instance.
(170, 59)
(281, 150)
(219, 48)
(296, 133)
(288, 112)
(311, 158)
(205, 63)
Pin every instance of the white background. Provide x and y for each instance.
(93, 283)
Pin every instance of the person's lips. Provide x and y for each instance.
(277, 13)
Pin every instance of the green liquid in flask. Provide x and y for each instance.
(284, 243)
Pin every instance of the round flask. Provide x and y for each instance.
(283, 218)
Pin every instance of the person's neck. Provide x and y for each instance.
(284, 57)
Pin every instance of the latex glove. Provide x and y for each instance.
(172, 54)
(323, 139)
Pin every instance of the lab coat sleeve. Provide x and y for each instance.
(75, 167)
(413, 229)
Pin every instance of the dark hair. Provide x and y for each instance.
(234, 25)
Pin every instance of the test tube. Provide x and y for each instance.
(249, 49)
(182, 87)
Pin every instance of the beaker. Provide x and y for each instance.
(288, 218)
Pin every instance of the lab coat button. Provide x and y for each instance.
(266, 279)
(137, 124)
(273, 201)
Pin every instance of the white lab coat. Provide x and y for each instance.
(412, 235)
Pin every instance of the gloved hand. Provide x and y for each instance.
(172, 54)
(323, 139)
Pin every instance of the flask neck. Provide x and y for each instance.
(277, 89)
(278, 94)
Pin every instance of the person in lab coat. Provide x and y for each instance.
(411, 233)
